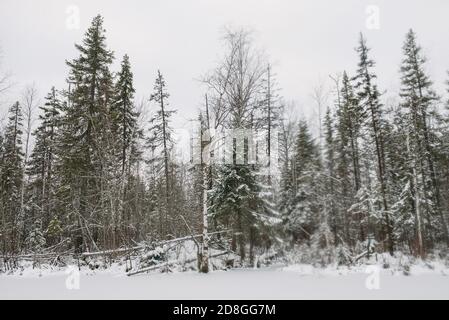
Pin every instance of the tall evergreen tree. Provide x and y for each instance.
(11, 181)
(350, 117)
(405, 188)
(417, 98)
(125, 116)
(160, 141)
(300, 217)
(85, 138)
(126, 133)
(41, 167)
(368, 97)
(234, 202)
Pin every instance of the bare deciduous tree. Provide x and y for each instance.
(235, 86)
(320, 96)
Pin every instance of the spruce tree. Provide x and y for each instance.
(350, 117)
(11, 181)
(42, 164)
(86, 141)
(286, 139)
(406, 193)
(234, 202)
(160, 141)
(301, 216)
(36, 239)
(126, 133)
(368, 98)
(125, 117)
(417, 98)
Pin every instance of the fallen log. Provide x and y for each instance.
(141, 247)
(168, 263)
(360, 256)
(113, 251)
(39, 255)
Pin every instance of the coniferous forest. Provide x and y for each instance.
(100, 173)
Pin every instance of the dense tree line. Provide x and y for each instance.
(98, 178)
(379, 179)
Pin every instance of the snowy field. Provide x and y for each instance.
(294, 282)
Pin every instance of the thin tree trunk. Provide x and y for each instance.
(166, 173)
(417, 203)
(378, 138)
(204, 266)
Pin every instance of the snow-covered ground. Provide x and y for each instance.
(293, 282)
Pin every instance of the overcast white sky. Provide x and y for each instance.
(305, 40)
